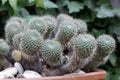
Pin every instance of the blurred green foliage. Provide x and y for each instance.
(102, 17)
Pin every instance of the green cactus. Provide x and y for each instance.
(63, 17)
(17, 39)
(31, 42)
(18, 19)
(27, 20)
(81, 26)
(11, 29)
(51, 24)
(4, 47)
(56, 46)
(67, 30)
(38, 24)
(106, 45)
(84, 45)
(52, 52)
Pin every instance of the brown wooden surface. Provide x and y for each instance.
(98, 75)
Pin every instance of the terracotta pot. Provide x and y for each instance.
(97, 75)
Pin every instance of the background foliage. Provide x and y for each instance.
(102, 17)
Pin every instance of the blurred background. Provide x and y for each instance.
(102, 17)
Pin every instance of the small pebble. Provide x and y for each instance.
(2, 75)
(78, 71)
(19, 67)
(5, 76)
(10, 71)
(31, 74)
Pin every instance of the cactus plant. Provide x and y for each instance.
(31, 42)
(81, 26)
(16, 19)
(38, 24)
(106, 45)
(54, 46)
(85, 44)
(51, 25)
(4, 47)
(63, 17)
(11, 29)
(66, 31)
(16, 40)
(52, 52)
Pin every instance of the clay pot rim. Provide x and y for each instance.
(98, 74)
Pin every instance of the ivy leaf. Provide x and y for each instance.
(31, 1)
(22, 3)
(62, 3)
(118, 37)
(75, 6)
(114, 29)
(23, 12)
(113, 59)
(97, 33)
(40, 3)
(89, 4)
(13, 4)
(117, 11)
(104, 11)
(4, 1)
(3, 8)
(49, 4)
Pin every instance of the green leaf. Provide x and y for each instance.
(40, 3)
(104, 11)
(75, 6)
(89, 4)
(23, 12)
(4, 1)
(114, 29)
(3, 8)
(49, 4)
(118, 37)
(13, 4)
(62, 3)
(113, 59)
(97, 33)
(22, 3)
(117, 11)
(30, 1)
